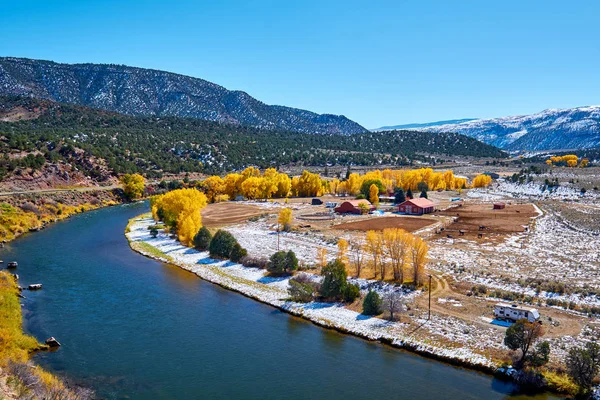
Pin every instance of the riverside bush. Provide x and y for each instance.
(237, 252)
(222, 244)
(202, 239)
(372, 304)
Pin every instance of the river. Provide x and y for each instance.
(135, 328)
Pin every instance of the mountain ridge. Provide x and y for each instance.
(550, 129)
(421, 124)
(149, 92)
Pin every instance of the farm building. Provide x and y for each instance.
(418, 206)
(492, 175)
(512, 312)
(499, 206)
(353, 206)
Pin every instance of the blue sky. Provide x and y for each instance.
(378, 62)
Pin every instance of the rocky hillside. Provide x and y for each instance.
(146, 92)
(100, 144)
(554, 129)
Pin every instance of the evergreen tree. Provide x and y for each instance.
(202, 239)
(399, 197)
(334, 280)
(221, 244)
(237, 252)
(372, 304)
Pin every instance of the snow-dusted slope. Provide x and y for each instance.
(138, 91)
(553, 129)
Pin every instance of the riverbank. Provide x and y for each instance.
(254, 283)
(19, 377)
(21, 213)
(32, 211)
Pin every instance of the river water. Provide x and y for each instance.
(135, 328)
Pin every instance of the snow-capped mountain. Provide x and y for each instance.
(138, 91)
(418, 126)
(553, 129)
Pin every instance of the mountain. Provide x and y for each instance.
(147, 92)
(423, 125)
(553, 129)
(36, 133)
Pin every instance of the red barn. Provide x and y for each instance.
(418, 206)
(499, 206)
(352, 206)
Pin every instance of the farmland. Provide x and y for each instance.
(517, 253)
(407, 223)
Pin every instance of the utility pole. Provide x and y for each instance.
(429, 313)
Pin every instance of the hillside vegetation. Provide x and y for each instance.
(93, 140)
(139, 91)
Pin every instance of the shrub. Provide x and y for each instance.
(221, 244)
(202, 239)
(372, 304)
(334, 280)
(560, 383)
(153, 232)
(237, 252)
(351, 293)
(283, 262)
(302, 292)
(254, 262)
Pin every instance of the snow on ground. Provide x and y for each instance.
(550, 251)
(532, 190)
(260, 240)
(468, 339)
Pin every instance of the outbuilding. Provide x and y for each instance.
(512, 312)
(499, 206)
(353, 206)
(417, 206)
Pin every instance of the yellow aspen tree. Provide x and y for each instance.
(284, 185)
(251, 187)
(251, 171)
(374, 248)
(357, 250)
(481, 181)
(285, 219)
(233, 185)
(333, 186)
(133, 185)
(213, 186)
(418, 254)
(180, 211)
(396, 246)
(353, 184)
(374, 195)
(321, 257)
(342, 254)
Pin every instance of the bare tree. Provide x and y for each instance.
(393, 302)
(358, 255)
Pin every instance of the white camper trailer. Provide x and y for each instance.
(512, 312)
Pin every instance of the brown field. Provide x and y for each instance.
(410, 224)
(219, 214)
(470, 217)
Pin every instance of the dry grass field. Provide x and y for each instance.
(497, 223)
(410, 224)
(220, 214)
